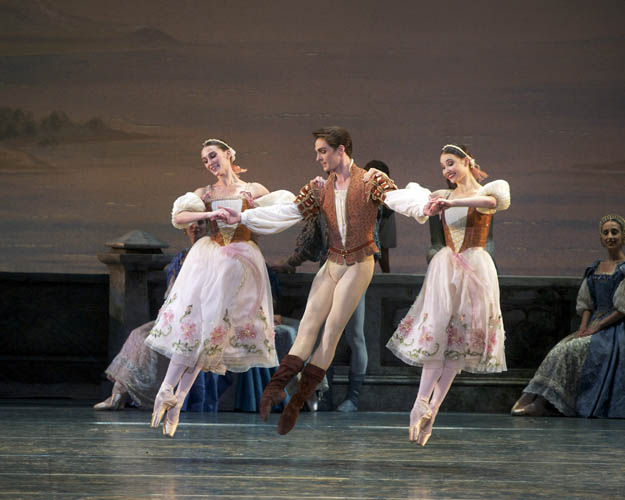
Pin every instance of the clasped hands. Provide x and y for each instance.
(591, 329)
(228, 215)
(225, 214)
(436, 204)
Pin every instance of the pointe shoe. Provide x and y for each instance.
(426, 432)
(169, 428)
(423, 438)
(164, 401)
(420, 415)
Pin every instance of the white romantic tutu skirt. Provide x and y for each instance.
(219, 312)
(456, 315)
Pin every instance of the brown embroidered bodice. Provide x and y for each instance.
(475, 232)
(229, 234)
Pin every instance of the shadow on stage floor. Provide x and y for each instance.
(51, 450)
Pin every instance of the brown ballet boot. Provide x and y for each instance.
(311, 378)
(274, 391)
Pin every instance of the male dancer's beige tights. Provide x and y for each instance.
(335, 293)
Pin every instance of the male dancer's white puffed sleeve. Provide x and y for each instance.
(274, 213)
(409, 201)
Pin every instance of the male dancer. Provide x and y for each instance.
(312, 245)
(349, 206)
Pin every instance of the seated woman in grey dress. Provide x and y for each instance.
(584, 374)
(137, 371)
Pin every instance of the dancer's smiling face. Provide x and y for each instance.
(216, 160)
(454, 168)
(327, 156)
(611, 235)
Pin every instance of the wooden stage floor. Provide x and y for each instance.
(55, 451)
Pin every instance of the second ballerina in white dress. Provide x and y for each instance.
(455, 323)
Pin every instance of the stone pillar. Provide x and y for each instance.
(131, 258)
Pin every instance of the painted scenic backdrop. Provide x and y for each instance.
(104, 107)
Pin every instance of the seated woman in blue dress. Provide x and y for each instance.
(584, 374)
(252, 383)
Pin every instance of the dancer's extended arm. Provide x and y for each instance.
(279, 216)
(411, 201)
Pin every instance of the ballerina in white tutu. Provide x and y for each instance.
(218, 315)
(455, 324)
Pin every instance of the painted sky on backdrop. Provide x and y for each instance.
(535, 88)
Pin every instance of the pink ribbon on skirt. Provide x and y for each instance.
(475, 284)
(238, 251)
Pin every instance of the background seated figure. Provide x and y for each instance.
(584, 374)
(251, 384)
(386, 228)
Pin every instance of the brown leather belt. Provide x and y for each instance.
(351, 250)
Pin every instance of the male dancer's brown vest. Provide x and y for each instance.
(361, 209)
